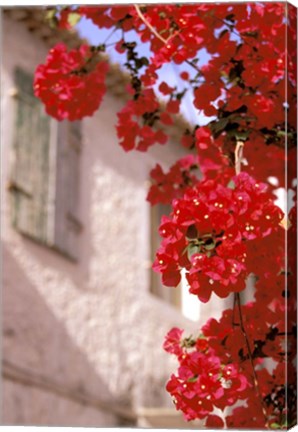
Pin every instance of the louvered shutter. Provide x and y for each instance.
(44, 181)
(30, 162)
(67, 224)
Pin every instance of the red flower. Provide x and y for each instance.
(165, 88)
(168, 186)
(214, 421)
(184, 75)
(201, 344)
(203, 380)
(208, 234)
(173, 106)
(132, 133)
(172, 343)
(70, 84)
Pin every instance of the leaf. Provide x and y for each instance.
(51, 18)
(145, 61)
(193, 379)
(253, 34)
(192, 232)
(275, 426)
(231, 185)
(50, 14)
(223, 33)
(230, 17)
(180, 95)
(210, 246)
(73, 18)
(220, 125)
(192, 249)
(241, 135)
(188, 342)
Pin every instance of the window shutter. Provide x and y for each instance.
(67, 224)
(30, 162)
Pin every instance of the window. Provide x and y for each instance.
(188, 304)
(170, 295)
(44, 181)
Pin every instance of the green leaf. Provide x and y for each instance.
(73, 18)
(283, 134)
(192, 249)
(231, 185)
(188, 342)
(51, 18)
(223, 33)
(253, 34)
(145, 61)
(275, 426)
(193, 379)
(50, 14)
(210, 246)
(230, 17)
(180, 95)
(241, 135)
(192, 232)
(220, 125)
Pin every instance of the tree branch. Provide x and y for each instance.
(150, 27)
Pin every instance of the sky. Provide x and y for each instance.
(169, 72)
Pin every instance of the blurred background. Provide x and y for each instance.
(84, 317)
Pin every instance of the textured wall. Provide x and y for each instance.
(92, 326)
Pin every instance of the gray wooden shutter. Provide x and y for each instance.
(67, 224)
(30, 162)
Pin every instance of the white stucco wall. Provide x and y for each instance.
(92, 326)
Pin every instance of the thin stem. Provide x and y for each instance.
(190, 63)
(151, 28)
(238, 156)
(238, 160)
(256, 384)
(147, 23)
(112, 44)
(232, 30)
(110, 35)
(234, 324)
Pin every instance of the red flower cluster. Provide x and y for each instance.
(203, 381)
(107, 17)
(70, 84)
(134, 135)
(208, 363)
(220, 230)
(167, 186)
(267, 339)
(208, 231)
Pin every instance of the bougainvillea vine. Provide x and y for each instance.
(225, 227)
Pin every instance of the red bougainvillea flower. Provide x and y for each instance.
(203, 380)
(172, 341)
(208, 231)
(134, 128)
(70, 83)
(107, 17)
(167, 186)
(219, 373)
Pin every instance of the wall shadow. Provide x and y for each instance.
(35, 340)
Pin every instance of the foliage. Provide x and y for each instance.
(225, 225)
